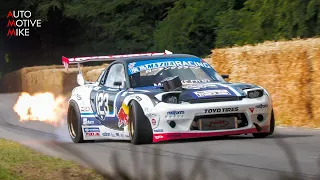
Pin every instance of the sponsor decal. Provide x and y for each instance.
(218, 123)
(102, 100)
(78, 97)
(218, 110)
(131, 65)
(167, 68)
(85, 108)
(123, 115)
(195, 81)
(138, 98)
(155, 64)
(211, 85)
(113, 135)
(158, 130)
(158, 137)
(117, 134)
(91, 130)
(214, 92)
(192, 86)
(154, 122)
(159, 84)
(121, 135)
(199, 86)
(222, 123)
(173, 113)
(262, 106)
(251, 109)
(92, 134)
(105, 134)
(112, 89)
(86, 122)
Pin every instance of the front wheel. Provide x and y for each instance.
(272, 125)
(139, 125)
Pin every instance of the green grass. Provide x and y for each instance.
(19, 162)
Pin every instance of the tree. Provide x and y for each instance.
(118, 26)
(262, 20)
(190, 26)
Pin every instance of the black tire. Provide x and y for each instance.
(272, 125)
(139, 125)
(74, 123)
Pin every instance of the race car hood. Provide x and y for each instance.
(195, 91)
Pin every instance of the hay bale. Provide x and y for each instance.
(70, 80)
(25, 71)
(93, 74)
(16, 81)
(283, 68)
(47, 80)
(314, 57)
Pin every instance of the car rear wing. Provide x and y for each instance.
(111, 58)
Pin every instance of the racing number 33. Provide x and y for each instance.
(102, 107)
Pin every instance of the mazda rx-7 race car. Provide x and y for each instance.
(155, 97)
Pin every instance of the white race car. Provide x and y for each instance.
(155, 97)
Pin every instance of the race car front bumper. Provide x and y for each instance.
(175, 121)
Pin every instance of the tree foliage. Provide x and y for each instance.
(118, 26)
(99, 27)
(261, 20)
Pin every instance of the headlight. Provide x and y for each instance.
(255, 94)
(154, 100)
(171, 99)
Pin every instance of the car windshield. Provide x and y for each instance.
(189, 70)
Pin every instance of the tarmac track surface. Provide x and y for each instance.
(290, 152)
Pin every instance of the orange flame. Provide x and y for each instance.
(41, 107)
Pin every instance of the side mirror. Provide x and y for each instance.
(225, 76)
(80, 79)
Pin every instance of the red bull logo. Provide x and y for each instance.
(123, 115)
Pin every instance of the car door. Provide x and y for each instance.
(106, 97)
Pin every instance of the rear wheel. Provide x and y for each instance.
(139, 125)
(74, 123)
(272, 125)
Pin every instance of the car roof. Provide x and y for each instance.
(145, 58)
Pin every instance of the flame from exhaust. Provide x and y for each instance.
(41, 107)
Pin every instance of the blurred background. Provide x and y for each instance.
(80, 28)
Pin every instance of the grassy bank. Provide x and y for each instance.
(18, 162)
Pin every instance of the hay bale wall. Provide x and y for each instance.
(289, 70)
(47, 79)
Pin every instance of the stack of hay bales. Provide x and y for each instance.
(53, 79)
(289, 70)
(16, 81)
